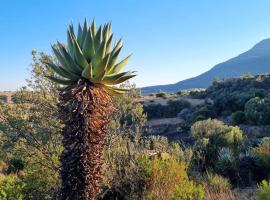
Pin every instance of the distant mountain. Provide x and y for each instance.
(254, 61)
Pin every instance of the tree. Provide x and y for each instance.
(30, 131)
(86, 69)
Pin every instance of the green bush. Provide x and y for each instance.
(161, 94)
(172, 108)
(262, 154)
(264, 191)
(257, 111)
(3, 98)
(217, 136)
(204, 113)
(239, 117)
(265, 142)
(206, 128)
(247, 170)
(225, 162)
(11, 188)
(15, 165)
(216, 183)
(40, 183)
(217, 187)
(167, 179)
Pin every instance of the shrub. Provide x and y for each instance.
(217, 187)
(205, 128)
(157, 143)
(262, 154)
(167, 179)
(11, 187)
(265, 142)
(179, 93)
(40, 183)
(226, 162)
(247, 170)
(257, 111)
(218, 135)
(172, 108)
(217, 183)
(205, 112)
(264, 191)
(161, 94)
(15, 165)
(239, 117)
(3, 98)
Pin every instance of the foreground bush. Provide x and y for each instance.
(262, 154)
(264, 191)
(11, 188)
(211, 136)
(167, 179)
(217, 188)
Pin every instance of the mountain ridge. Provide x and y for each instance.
(254, 61)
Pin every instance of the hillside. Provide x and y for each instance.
(254, 61)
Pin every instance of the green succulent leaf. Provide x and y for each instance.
(62, 72)
(88, 72)
(79, 34)
(61, 81)
(89, 55)
(68, 59)
(118, 67)
(98, 38)
(79, 57)
(88, 46)
(115, 90)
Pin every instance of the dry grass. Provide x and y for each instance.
(219, 196)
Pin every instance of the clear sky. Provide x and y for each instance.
(171, 40)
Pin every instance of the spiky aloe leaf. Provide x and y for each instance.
(89, 55)
(62, 72)
(118, 67)
(117, 78)
(61, 81)
(79, 57)
(84, 32)
(113, 59)
(88, 72)
(99, 55)
(79, 34)
(93, 27)
(88, 46)
(70, 62)
(98, 38)
(109, 44)
(115, 91)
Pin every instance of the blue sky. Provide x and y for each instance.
(171, 40)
